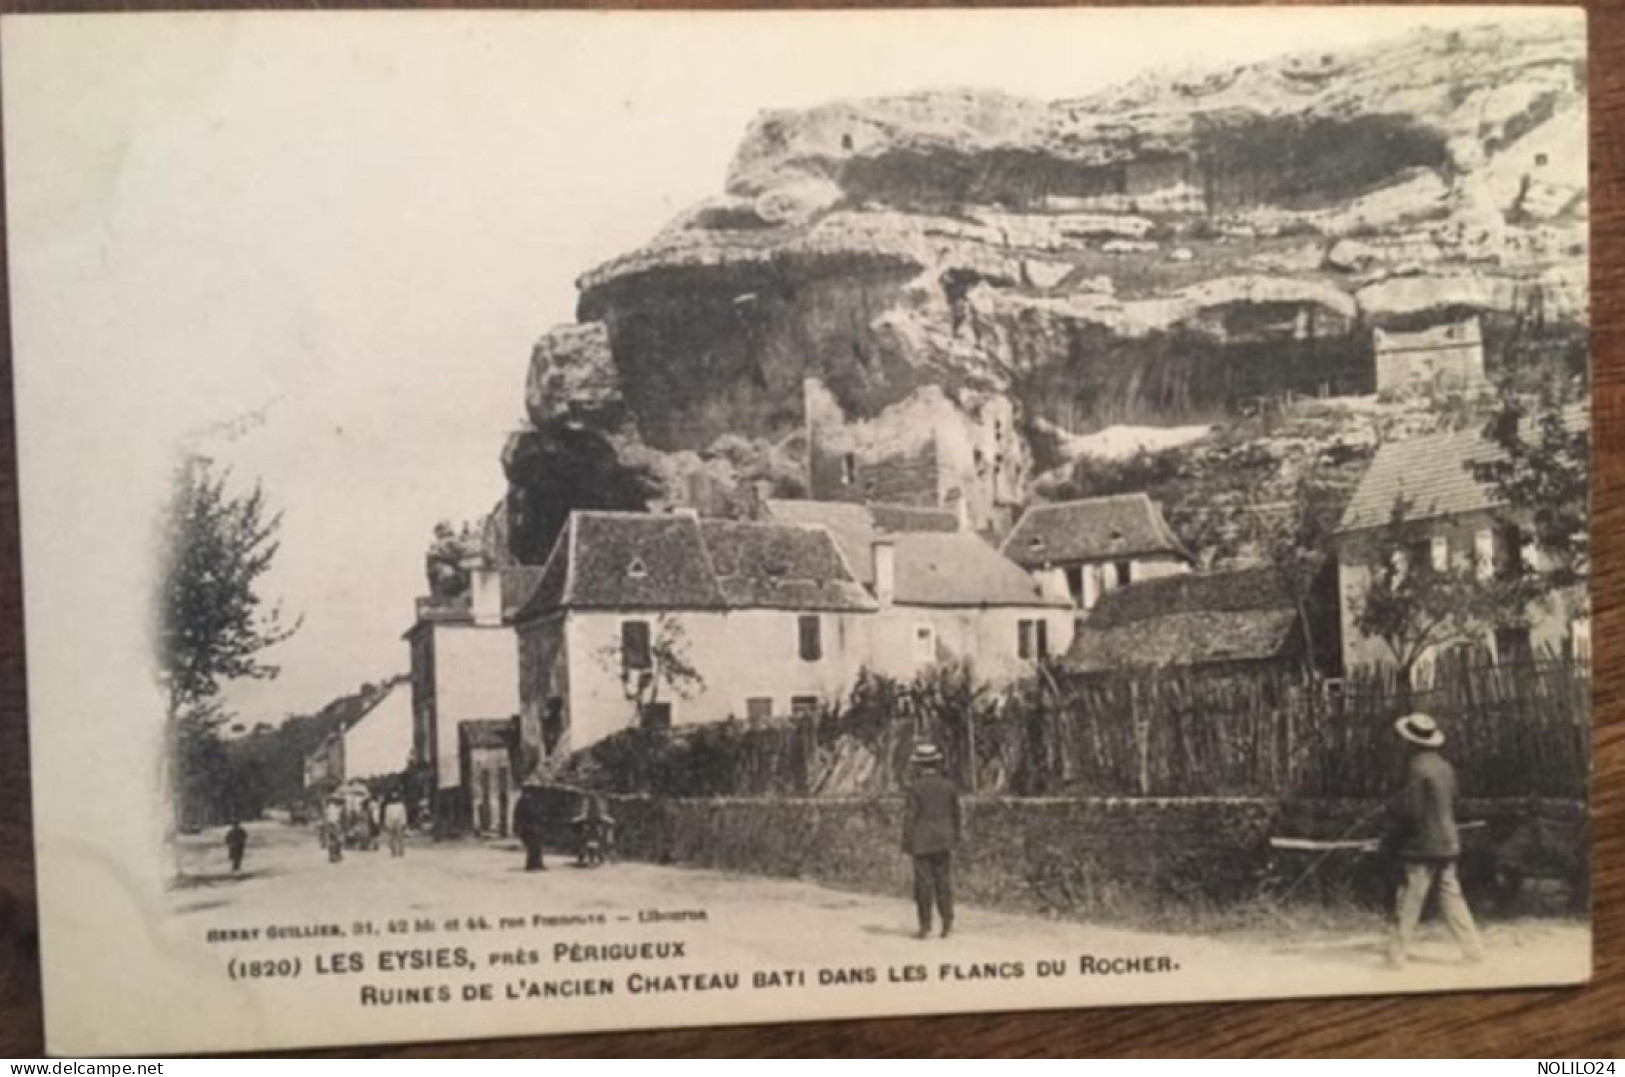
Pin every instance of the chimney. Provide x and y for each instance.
(885, 564)
(485, 593)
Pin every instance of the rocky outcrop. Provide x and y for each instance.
(1157, 253)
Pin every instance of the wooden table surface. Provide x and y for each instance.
(1575, 1023)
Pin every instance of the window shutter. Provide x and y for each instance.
(635, 646)
(1441, 553)
(1484, 552)
(812, 637)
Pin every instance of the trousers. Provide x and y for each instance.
(1420, 877)
(934, 885)
(533, 852)
(397, 841)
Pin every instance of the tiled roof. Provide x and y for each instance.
(780, 566)
(1430, 472)
(1183, 639)
(960, 569)
(1187, 620)
(1192, 592)
(1097, 529)
(855, 526)
(624, 560)
(936, 563)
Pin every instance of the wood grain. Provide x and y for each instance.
(1563, 1024)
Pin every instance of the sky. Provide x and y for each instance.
(320, 246)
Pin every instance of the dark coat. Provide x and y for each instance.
(528, 822)
(1424, 811)
(931, 816)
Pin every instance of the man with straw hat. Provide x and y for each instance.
(930, 832)
(1427, 842)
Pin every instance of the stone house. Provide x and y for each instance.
(465, 667)
(767, 616)
(943, 593)
(1459, 524)
(1085, 549)
(1244, 620)
(1450, 354)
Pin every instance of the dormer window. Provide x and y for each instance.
(637, 570)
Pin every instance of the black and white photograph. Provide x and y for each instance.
(542, 522)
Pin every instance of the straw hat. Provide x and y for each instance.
(926, 754)
(1421, 730)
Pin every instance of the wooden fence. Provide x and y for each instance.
(1513, 730)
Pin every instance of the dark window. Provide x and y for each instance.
(803, 706)
(1540, 160)
(636, 652)
(759, 707)
(1074, 582)
(1419, 554)
(812, 637)
(657, 716)
(1032, 639)
(1512, 646)
(849, 469)
(1125, 572)
(846, 142)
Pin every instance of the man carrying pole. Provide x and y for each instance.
(1427, 842)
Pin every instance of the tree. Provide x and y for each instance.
(1413, 605)
(1542, 474)
(212, 625)
(1295, 537)
(659, 660)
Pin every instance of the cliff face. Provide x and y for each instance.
(1158, 253)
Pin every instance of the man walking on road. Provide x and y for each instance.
(236, 842)
(930, 832)
(395, 823)
(1427, 842)
(528, 824)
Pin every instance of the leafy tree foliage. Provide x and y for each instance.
(1543, 472)
(212, 627)
(212, 624)
(1413, 605)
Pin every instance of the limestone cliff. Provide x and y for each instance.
(987, 266)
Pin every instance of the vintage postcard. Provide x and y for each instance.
(542, 522)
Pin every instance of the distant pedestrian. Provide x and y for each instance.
(372, 820)
(236, 843)
(931, 827)
(333, 828)
(395, 823)
(529, 824)
(1425, 839)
